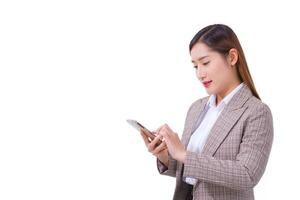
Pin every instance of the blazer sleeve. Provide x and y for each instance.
(170, 170)
(249, 166)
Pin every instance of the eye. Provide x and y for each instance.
(206, 63)
(195, 66)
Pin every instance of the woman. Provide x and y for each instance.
(227, 136)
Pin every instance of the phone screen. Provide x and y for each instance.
(138, 126)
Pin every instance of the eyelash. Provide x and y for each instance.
(206, 63)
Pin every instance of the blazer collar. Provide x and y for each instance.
(226, 120)
(240, 98)
(231, 113)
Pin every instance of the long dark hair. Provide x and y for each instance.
(221, 38)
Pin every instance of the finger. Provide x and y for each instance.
(159, 129)
(160, 148)
(145, 131)
(168, 129)
(166, 137)
(166, 125)
(164, 133)
(154, 143)
(145, 138)
(150, 135)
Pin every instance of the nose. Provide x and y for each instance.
(201, 73)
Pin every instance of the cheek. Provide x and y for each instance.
(219, 75)
(215, 71)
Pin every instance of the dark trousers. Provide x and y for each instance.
(190, 193)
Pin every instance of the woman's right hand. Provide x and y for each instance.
(157, 147)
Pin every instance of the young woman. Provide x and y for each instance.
(227, 136)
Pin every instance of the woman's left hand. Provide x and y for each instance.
(175, 147)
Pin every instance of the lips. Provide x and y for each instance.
(206, 83)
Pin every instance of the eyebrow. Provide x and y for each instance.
(199, 58)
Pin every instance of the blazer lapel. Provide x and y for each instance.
(195, 117)
(229, 116)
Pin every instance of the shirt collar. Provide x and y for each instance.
(212, 99)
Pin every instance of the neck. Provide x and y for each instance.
(226, 91)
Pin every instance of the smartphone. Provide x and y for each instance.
(138, 126)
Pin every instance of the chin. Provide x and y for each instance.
(209, 92)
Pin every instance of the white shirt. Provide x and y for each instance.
(198, 138)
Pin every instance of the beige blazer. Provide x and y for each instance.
(235, 155)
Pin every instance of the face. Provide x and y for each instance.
(214, 70)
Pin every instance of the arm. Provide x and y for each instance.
(170, 168)
(244, 172)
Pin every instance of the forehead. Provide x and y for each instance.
(200, 50)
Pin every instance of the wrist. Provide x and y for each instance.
(164, 161)
(182, 156)
(164, 158)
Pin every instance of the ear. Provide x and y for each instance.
(232, 56)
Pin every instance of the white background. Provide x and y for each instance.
(72, 72)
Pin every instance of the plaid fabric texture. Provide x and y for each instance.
(235, 155)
